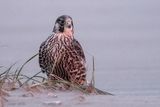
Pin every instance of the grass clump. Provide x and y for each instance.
(11, 80)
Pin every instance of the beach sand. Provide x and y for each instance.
(21, 98)
(122, 35)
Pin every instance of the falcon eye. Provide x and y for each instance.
(69, 26)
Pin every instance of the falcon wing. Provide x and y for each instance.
(78, 48)
(42, 57)
(46, 55)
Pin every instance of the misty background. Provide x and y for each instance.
(122, 35)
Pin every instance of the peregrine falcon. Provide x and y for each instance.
(62, 55)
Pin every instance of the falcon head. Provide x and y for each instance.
(63, 24)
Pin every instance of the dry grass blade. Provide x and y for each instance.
(6, 72)
(98, 91)
(31, 78)
(14, 74)
(25, 64)
(93, 79)
(91, 87)
(43, 78)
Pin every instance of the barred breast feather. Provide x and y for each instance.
(63, 56)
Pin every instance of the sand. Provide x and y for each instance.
(126, 32)
(21, 98)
